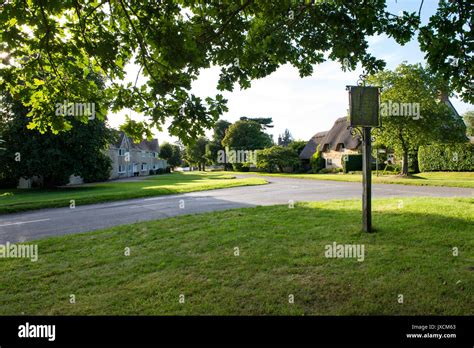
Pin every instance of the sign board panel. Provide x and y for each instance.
(364, 106)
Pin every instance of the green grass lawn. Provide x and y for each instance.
(282, 252)
(450, 179)
(20, 200)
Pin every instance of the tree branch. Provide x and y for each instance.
(421, 6)
(143, 50)
(48, 49)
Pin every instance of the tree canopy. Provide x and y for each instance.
(46, 46)
(171, 153)
(297, 146)
(215, 145)
(277, 158)
(286, 138)
(197, 153)
(55, 158)
(413, 111)
(246, 135)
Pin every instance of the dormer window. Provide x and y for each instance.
(121, 152)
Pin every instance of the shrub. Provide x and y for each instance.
(283, 159)
(237, 167)
(446, 157)
(241, 167)
(160, 171)
(96, 169)
(330, 170)
(152, 172)
(7, 183)
(317, 161)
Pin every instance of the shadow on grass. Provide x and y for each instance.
(282, 251)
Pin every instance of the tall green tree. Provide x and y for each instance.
(215, 145)
(447, 41)
(166, 151)
(265, 122)
(54, 157)
(197, 153)
(246, 135)
(171, 153)
(46, 45)
(285, 139)
(412, 112)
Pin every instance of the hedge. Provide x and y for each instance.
(446, 157)
(352, 163)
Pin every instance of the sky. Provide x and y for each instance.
(307, 105)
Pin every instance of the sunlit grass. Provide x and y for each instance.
(450, 179)
(281, 253)
(20, 200)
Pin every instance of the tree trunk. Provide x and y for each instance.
(405, 163)
(416, 166)
(405, 153)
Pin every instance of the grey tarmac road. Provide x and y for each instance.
(43, 223)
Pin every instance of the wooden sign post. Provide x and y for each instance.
(363, 115)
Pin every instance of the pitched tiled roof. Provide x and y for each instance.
(144, 145)
(147, 145)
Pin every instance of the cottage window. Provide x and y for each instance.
(121, 169)
(329, 161)
(121, 152)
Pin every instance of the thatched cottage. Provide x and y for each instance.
(333, 144)
(338, 141)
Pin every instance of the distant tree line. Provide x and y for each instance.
(246, 135)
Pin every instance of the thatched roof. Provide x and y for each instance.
(312, 144)
(338, 134)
